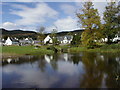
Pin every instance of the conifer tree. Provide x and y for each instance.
(90, 20)
(111, 18)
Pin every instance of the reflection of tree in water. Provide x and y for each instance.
(54, 62)
(42, 63)
(96, 68)
(76, 58)
(112, 69)
(93, 76)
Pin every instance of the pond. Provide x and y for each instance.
(65, 70)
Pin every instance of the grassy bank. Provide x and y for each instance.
(105, 48)
(23, 50)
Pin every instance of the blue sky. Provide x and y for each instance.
(31, 15)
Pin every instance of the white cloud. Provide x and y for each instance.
(64, 24)
(13, 26)
(9, 25)
(68, 9)
(32, 16)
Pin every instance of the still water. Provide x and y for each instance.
(66, 70)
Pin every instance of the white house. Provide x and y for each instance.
(48, 58)
(117, 37)
(65, 39)
(48, 39)
(8, 41)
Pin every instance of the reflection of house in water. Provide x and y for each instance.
(48, 58)
(9, 60)
(118, 59)
(19, 60)
(65, 56)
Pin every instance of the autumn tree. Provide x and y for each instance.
(90, 20)
(111, 18)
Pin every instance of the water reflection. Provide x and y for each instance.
(87, 70)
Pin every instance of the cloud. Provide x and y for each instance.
(68, 9)
(13, 26)
(9, 25)
(64, 24)
(32, 16)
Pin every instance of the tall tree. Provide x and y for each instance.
(111, 21)
(90, 20)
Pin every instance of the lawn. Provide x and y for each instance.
(22, 50)
(105, 48)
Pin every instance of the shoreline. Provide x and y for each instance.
(16, 51)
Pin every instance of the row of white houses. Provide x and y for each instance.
(62, 40)
(14, 41)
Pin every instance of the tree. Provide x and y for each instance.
(111, 19)
(90, 20)
(41, 29)
(54, 36)
(41, 35)
(76, 40)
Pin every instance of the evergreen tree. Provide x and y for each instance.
(111, 18)
(76, 40)
(90, 20)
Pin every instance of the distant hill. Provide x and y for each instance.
(32, 34)
(68, 32)
(18, 33)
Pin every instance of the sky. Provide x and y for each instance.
(51, 15)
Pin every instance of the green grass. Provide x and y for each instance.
(104, 48)
(22, 50)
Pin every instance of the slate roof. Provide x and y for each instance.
(61, 38)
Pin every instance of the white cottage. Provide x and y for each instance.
(65, 39)
(117, 37)
(8, 41)
(48, 39)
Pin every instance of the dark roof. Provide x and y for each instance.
(61, 38)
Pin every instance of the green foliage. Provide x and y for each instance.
(76, 40)
(55, 41)
(54, 37)
(111, 19)
(90, 20)
(40, 37)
